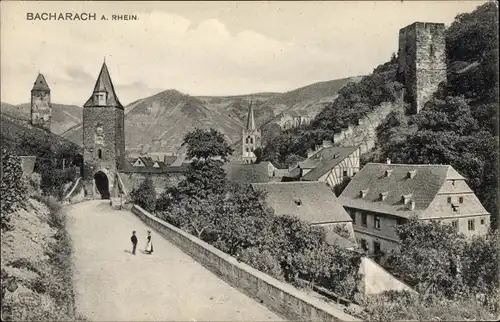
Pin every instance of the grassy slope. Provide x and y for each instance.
(13, 130)
(36, 256)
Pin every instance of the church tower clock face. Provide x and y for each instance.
(99, 135)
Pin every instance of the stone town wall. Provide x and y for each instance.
(160, 180)
(364, 134)
(277, 296)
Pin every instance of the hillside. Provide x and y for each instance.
(459, 126)
(63, 116)
(312, 98)
(159, 122)
(15, 134)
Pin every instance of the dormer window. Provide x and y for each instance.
(362, 193)
(383, 196)
(388, 172)
(100, 98)
(411, 174)
(298, 202)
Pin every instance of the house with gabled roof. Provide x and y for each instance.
(382, 196)
(329, 164)
(312, 202)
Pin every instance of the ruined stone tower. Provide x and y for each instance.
(41, 110)
(251, 138)
(422, 61)
(103, 138)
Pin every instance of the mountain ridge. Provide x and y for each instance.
(159, 122)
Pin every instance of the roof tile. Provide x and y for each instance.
(312, 202)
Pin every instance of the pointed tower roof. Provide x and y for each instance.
(40, 84)
(104, 84)
(250, 119)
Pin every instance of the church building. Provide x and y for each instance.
(251, 138)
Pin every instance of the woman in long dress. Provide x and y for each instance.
(149, 245)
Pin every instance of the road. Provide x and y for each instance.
(111, 284)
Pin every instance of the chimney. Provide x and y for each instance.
(388, 161)
(412, 204)
(411, 174)
(383, 196)
(362, 193)
(388, 172)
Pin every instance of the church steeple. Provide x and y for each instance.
(104, 92)
(250, 119)
(251, 138)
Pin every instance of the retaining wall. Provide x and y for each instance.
(277, 296)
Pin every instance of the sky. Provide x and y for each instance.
(202, 48)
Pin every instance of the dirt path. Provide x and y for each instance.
(113, 285)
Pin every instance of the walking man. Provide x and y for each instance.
(133, 239)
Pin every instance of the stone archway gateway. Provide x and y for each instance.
(101, 184)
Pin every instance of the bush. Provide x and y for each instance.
(12, 187)
(145, 195)
(398, 306)
(53, 180)
(263, 261)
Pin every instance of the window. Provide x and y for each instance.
(461, 199)
(471, 224)
(482, 221)
(449, 199)
(344, 173)
(376, 222)
(431, 51)
(364, 245)
(363, 219)
(454, 224)
(452, 182)
(352, 213)
(400, 221)
(376, 247)
(99, 154)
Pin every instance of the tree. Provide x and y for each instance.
(203, 177)
(205, 144)
(481, 264)
(429, 258)
(263, 261)
(194, 215)
(243, 221)
(12, 187)
(145, 195)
